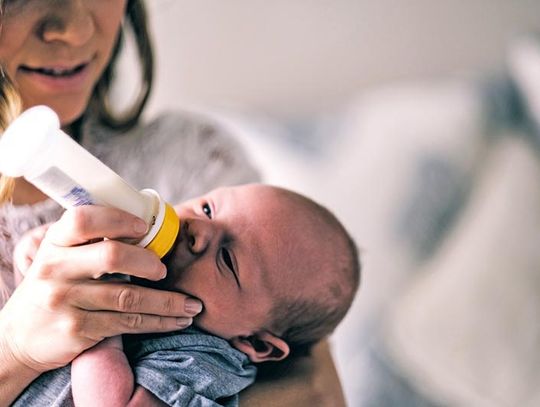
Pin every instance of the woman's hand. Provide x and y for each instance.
(62, 308)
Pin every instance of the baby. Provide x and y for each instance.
(276, 273)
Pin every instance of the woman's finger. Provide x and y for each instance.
(99, 258)
(129, 298)
(106, 324)
(88, 222)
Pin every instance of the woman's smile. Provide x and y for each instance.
(56, 51)
(58, 77)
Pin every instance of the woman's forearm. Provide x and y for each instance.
(14, 376)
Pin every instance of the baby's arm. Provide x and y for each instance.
(102, 376)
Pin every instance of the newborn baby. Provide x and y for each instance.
(276, 273)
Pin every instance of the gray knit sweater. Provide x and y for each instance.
(181, 155)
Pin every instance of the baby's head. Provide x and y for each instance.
(275, 271)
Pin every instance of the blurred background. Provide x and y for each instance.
(416, 123)
(302, 57)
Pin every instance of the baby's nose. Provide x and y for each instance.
(199, 237)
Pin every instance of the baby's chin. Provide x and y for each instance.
(159, 285)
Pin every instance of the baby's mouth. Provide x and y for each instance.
(55, 72)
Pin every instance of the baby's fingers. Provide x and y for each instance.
(26, 248)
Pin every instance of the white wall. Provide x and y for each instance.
(291, 57)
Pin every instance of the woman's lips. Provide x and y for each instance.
(56, 70)
(59, 77)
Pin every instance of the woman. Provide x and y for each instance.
(62, 53)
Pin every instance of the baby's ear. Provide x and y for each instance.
(262, 347)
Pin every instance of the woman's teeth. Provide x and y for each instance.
(55, 72)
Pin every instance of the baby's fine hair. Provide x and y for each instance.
(302, 322)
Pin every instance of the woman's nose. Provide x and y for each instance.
(68, 21)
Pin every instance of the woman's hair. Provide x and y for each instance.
(10, 108)
(136, 20)
(100, 104)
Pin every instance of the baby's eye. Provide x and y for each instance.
(226, 256)
(207, 210)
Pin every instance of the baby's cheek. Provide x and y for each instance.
(206, 322)
(217, 321)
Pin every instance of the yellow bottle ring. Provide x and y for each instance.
(164, 240)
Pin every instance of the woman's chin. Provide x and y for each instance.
(68, 111)
(68, 115)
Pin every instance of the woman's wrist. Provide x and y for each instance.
(15, 376)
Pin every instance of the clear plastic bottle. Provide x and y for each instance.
(35, 147)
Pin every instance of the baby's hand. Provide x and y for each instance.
(25, 250)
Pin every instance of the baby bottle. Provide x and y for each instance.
(35, 147)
